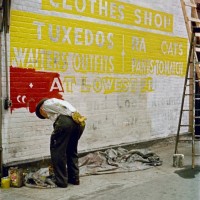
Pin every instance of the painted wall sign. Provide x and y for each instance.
(28, 87)
(61, 45)
(115, 11)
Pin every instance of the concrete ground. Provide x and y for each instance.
(162, 182)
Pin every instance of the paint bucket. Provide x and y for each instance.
(178, 160)
(5, 182)
(16, 177)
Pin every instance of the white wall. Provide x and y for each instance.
(126, 114)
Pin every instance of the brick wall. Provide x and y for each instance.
(121, 63)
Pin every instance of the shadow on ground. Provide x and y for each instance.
(188, 172)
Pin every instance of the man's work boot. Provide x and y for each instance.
(74, 181)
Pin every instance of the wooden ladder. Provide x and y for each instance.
(190, 17)
(192, 79)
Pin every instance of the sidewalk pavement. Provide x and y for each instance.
(161, 182)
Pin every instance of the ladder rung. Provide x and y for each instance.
(194, 20)
(186, 110)
(188, 94)
(197, 136)
(197, 125)
(197, 117)
(189, 85)
(197, 98)
(197, 80)
(190, 4)
(185, 125)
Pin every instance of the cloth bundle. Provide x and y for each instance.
(39, 179)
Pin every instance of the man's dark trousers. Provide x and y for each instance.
(63, 147)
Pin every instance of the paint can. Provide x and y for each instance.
(178, 160)
(16, 177)
(5, 182)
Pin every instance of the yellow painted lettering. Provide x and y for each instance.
(85, 87)
(69, 81)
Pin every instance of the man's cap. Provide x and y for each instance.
(37, 109)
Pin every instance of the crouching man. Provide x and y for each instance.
(68, 127)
